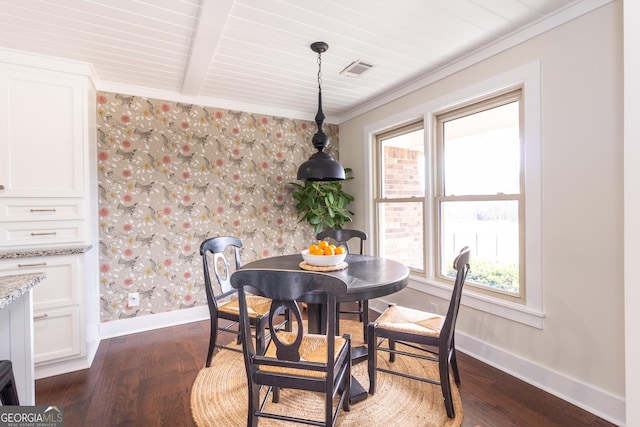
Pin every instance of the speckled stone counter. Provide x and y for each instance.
(13, 287)
(38, 252)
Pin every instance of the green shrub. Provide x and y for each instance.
(495, 274)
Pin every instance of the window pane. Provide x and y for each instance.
(490, 229)
(482, 152)
(403, 165)
(400, 231)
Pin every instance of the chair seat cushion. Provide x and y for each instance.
(411, 321)
(256, 306)
(312, 349)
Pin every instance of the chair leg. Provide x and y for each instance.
(346, 402)
(360, 309)
(254, 405)
(392, 347)
(443, 364)
(287, 317)
(328, 408)
(454, 366)
(213, 336)
(372, 359)
(364, 317)
(260, 344)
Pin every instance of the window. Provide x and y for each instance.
(449, 176)
(479, 192)
(400, 196)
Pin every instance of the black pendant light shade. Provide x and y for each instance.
(320, 166)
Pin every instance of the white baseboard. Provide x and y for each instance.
(134, 325)
(589, 398)
(63, 367)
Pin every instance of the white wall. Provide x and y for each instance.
(579, 354)
(632, 206)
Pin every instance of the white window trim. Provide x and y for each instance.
(528, 77)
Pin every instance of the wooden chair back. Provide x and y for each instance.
(342, 237)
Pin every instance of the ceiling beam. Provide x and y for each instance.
(212, 19)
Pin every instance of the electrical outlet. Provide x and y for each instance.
(433, 308)
(134, 299)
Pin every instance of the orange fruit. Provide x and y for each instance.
(341, 250)
(329, 250)
(322, 244)
(313, 248)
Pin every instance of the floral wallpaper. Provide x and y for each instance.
(173, 174)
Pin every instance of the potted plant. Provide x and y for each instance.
(323, 204)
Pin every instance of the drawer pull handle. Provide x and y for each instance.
(52, 233)
(40, 317)
(43, 210)
(1, 187)
(35, 264)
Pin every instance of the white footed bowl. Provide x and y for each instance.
(322, 260)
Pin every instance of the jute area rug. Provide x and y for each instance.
(219, 395)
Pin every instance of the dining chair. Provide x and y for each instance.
(222, 298)
(342, 237)
(416, 329)
(8, 391)
(319, 363)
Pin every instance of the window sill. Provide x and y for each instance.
(496, 306)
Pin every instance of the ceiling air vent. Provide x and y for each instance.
(356, 69)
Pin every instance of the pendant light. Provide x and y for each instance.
(320, 166)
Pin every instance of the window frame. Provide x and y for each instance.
(379, 199)
(528, 78)
(440, 118)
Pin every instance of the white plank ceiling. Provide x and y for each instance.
(254, 55)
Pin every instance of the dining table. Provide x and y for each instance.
(367, 277)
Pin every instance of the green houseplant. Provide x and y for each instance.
(323, 204)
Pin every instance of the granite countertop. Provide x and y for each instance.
(13, 287)
(43, 251)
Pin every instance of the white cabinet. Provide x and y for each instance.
(56, 335)
(41, 133)
(49, 203)
(58, 316)
(45, 132)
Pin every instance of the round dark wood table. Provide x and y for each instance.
(367, 277)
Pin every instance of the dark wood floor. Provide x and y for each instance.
(145, 380)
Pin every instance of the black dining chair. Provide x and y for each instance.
(8, 391)
(222, 298)
(342, 237)
(415, 330)
(319, 363)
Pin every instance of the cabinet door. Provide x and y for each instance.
(41, 128)
(56, 334)
(57, 323)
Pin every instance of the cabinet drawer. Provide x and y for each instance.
(61, 286)
(41, 232)
(40, 209)
(56, 334)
